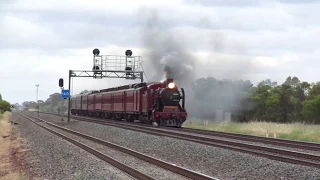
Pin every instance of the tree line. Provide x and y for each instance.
(53, 103)
(291, 101)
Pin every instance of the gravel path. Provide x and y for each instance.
(216, 162)
(54, 158)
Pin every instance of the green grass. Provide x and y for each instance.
(1, 116)
(294, 131)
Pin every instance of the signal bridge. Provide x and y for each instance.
(113, 66)
(107, 66)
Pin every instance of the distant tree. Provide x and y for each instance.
(0, 97)
(314, 90)
(311, 111)
(288, 81)
(84, 91)
(268, 82)
(295, 81)
(4, 106)
(25, 103)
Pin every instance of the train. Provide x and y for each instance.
(156, 103)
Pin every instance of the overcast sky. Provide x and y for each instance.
(40, 40)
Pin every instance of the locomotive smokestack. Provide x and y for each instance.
(169, 81)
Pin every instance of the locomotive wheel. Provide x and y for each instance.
(128, 118)
(161, 122)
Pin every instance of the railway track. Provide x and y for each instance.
(132, 172)
(273, 141)
(279, 154)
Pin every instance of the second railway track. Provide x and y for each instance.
(167, 166)
(272, 141)
(279, 154)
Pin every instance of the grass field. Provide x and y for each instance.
(295, 131)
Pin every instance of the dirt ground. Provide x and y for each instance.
(13, 165)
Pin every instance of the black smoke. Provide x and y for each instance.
(166, 54)
(169, 56)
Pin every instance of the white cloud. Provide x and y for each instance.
(41, 40)
(93, 6)
(18, 32)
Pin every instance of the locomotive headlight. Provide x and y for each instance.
(171, 85)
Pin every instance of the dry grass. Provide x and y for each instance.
(12, 152)
(5, 126)
(294, 131)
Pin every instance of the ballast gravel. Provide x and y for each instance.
(51, 157)
(140, 165)
(213, 161)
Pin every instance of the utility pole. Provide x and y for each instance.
(37, 85)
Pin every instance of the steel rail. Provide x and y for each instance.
(281, 154)
(171, 167)
(259, 139)
(132, 172)
(273, 141)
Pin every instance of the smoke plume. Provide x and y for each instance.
(169, 57)
(166, 53)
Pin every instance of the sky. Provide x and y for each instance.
(40, 40)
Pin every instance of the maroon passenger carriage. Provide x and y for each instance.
(152, 103)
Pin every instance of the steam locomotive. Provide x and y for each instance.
(157, 103)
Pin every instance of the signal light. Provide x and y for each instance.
(95, 68)
(128, 53)
(61, 82)
(96, 52)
